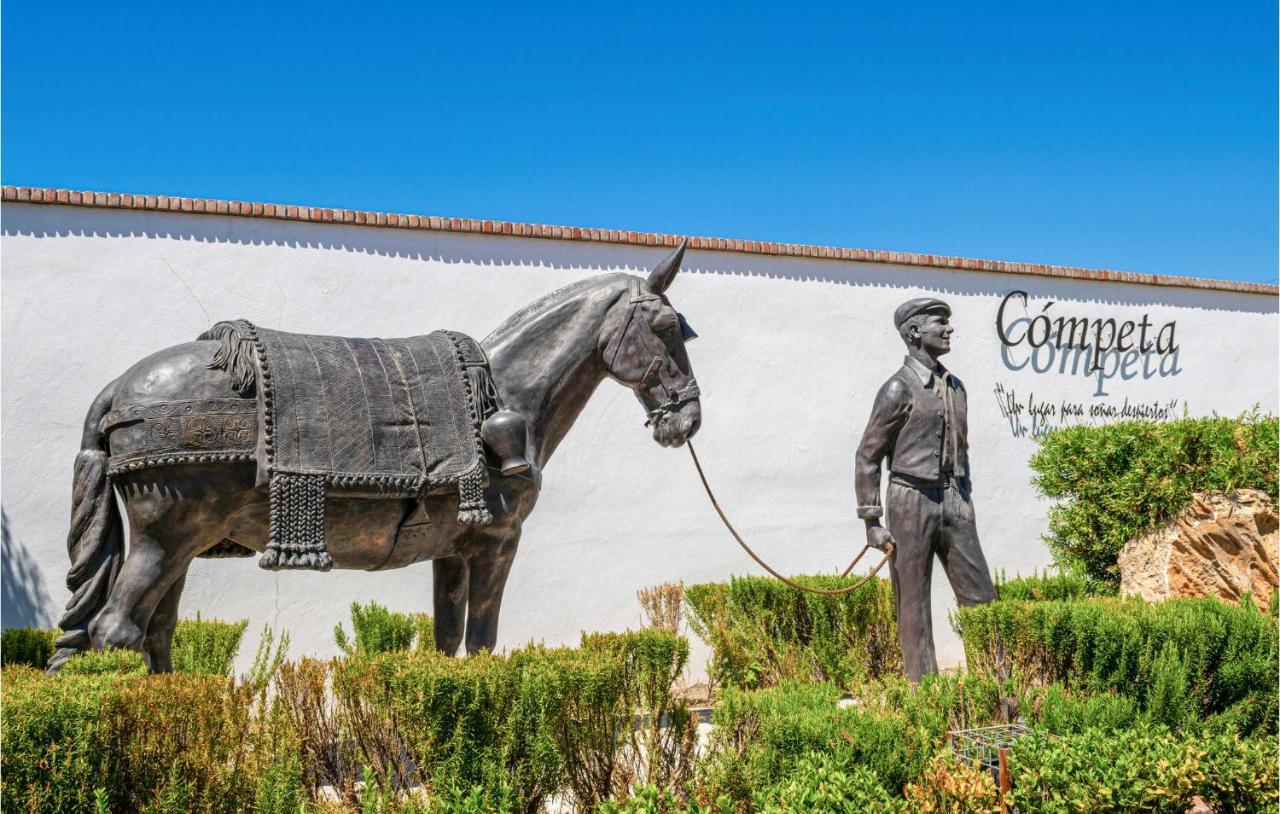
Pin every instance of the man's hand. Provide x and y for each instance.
(878, 536)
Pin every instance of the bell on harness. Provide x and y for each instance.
(505, 435)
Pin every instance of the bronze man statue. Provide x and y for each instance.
(918, 423)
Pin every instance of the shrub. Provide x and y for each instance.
(651, 800)
(484, 721)
(280, 788)
(457, 801)
(1183, 659)
(939, 703)
(127, 742)
(658, 751)
(1056, 710)
(819, 783)
(100, 662)
(1117, 481)
(1134, 770)
(185, 736)
(302, 690)
(424, 631)
(26, 645)
(761, 735)
(47, 760)
(1168, 700)
(1240, 775)
(504, 732)
(206, 646)
(652, 660)
(495, 732)
(763, 633)
(663, 605)
(378, 630)
(267, 659)
(1046, 586)
(952, 787)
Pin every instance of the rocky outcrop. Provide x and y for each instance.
(1221, 545)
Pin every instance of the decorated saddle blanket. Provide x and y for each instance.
(359, 417)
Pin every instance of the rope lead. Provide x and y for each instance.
(823, 591)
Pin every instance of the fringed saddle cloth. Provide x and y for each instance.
(391, 418)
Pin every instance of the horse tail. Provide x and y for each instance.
(96, 540)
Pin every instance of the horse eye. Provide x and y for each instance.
(665, 322)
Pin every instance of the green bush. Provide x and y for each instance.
(819, 783)
(490, 721)
(1117, 481)
(29, 646)
(659, 749)
(512, 729)
(1056, 710)
(47, 759)
(206, 646)
(100, 662)
(267, 659)
(1133, 770)
(378, 630)
(651, 800)
(652, 659)
(195, 728)
(763, 633)
(1046, 586)
(939, 703)
(129, 741)
(1182, 660)
(424, 631)
(280, 788)
(506, 733)
(761, 735)
(1240, 775)
(199, 646)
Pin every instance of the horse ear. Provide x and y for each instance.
(663, 273)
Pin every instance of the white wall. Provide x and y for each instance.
(791, 353)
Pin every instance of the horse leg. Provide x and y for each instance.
(450, 605)
(145, 577)
(489, 569)
(161, 548)
(164, 621)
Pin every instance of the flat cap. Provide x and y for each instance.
(918, 306)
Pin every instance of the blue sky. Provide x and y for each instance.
(1118, 135)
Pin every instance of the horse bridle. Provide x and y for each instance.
(688, 393)
(674, 398)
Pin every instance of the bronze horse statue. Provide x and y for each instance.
(546, 361)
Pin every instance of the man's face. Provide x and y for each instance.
(935, 334)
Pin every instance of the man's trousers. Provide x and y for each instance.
(926, 521)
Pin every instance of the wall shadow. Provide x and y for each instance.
(39, 220)
(23, 598)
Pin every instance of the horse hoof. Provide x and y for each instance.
(114, 632)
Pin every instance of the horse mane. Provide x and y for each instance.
(547, 301)
(235, 354)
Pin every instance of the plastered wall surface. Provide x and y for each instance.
(790, 355)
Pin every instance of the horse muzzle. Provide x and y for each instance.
(678, 425)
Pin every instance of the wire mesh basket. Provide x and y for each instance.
(986, 745)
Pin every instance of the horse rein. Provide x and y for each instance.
(888, 552)
(688, 393)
